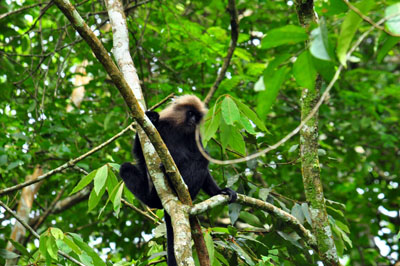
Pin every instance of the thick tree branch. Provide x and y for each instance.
(310, 168)
(234, 37)
(172, 205)
(259, 204)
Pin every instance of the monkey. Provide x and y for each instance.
(176, 125)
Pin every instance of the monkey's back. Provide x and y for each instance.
(187, 157)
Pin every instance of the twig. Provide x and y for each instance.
(20, 10)
(42, 12)
(71, 163)
(369, 20)
(162, 102)
(140, 41)
(139, 211)
(234, 37)
(33, 232)
(49, 209)
(301, 125)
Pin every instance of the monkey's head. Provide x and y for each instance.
(186, 112)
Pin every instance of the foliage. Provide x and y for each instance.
(178, 46)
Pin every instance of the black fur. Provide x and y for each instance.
(180, 140)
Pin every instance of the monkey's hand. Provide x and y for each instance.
(153, 116)
(231, 193)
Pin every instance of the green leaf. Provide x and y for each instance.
(210, 246)
(393, 24)
(236, 141)
(242, 253)
(293, 148)
(325, 68)
(86, 259)
(243, 54)
(52, 248)
(20, 248)
(297, 212)
(221, 258)
(250, 114)
(95, 198)
(250, 219)
(3, 159)
(225, 134)
(306, 213)
(112, 181)
(85, 247)
(221, 230)
(304, 71)
(211, 124)
(234, 211)
(57, 233)
(14, 164)
(231, 137)
(230, 111)
(244, 121)
(349, 28)
(318, 48)
(117, 199)
(272, 86)
(263, 194)
(259, 86)
(289, 34)
(43, 244)
(292, 238)
(115, 166)
(386, 47)
(84, 182)
(8, 255)
(67, 240)
(128, 195)
(100, 178)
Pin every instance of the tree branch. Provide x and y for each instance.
(71, 163)
(369, 20)
(171, 204)
(234, 37)
(259, 204)
(310, 167)
(21, 9)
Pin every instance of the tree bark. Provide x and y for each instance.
(309, 155)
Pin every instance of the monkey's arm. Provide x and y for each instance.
(154, 117)
(212, 189)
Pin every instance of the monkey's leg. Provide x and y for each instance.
(170, 240)
(138, 183)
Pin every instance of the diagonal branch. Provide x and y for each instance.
(234, 37)
(66, 165)
(170, 202)
(369, 20)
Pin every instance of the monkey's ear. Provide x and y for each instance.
(153, 116)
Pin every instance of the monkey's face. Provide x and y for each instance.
(192, 119)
